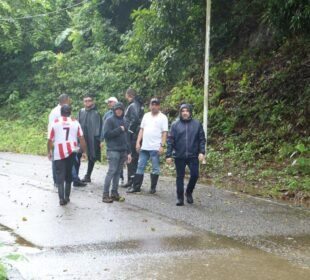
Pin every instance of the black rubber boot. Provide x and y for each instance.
(137, 183)
(128, 184)
(61, 194)
(79, 184)
(154, 180)
(180, 200)
(86, 179)
(67, 192)
(189, 197)
(180, 197)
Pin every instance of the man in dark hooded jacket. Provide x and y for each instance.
(118, 151)
(90, 121)
(186, 143)
(132, 117)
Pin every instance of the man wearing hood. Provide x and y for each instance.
(118, 151)
(90, 121)
(186, 143)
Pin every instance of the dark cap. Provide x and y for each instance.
(155, 101)
(65, 110)
(119, 105)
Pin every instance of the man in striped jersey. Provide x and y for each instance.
(63, 137)
(54, 114)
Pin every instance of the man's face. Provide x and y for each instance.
(111, 104)
(185, 114)
(128, 97)
(118, 112)
(154, 107)
(88, 102)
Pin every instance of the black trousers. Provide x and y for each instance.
(180, 164)
(64, 169)
(132, 166)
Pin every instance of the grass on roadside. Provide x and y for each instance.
(230, 167)
(19, 137)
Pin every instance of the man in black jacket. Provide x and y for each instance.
(186, 143)
(133, 116)
(90, 121)
(118, 151)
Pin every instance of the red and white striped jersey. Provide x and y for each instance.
(64, 134)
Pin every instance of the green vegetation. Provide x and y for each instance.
(259, 76)
(5, 260)
(3, 274)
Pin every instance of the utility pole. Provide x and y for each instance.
(206, 72)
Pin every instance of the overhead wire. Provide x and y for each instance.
(48, 13)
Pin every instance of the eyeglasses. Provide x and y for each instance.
(88, 100)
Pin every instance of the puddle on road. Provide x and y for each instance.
(181, 258)
(202, 256)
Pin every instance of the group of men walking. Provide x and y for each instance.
(130, 137)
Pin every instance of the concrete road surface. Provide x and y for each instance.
(224, 235)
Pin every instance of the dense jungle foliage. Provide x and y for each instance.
(258, 136)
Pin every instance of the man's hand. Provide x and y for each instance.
(84, 156)
(129, 158)
(138, 147)
(161, 151)
(169, 161)
(122, 127)
(102, 145)
(49, 156)
(201, 157)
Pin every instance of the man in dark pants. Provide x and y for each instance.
(64, 135)
(133, 116)
(90, 121)
(186, 143)
(111, 101)
(118, 151)
(54, 114)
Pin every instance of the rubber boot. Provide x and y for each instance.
(180, 200)
(61, 194)
(189, 197)
(154, 180)
(67, 192)
(128, 184)
(137, 183)
(86, 179)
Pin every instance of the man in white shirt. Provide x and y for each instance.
(153, 135)
(64, 135)
(55, 114)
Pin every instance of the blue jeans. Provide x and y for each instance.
(180, 164)
(116, 161)
(144, 156)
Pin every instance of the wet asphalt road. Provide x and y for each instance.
(224, 235)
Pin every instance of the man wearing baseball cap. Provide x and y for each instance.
(152, 135)
(111, 101)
